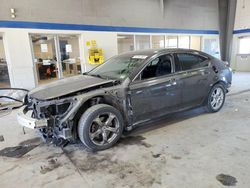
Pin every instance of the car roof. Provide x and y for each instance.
(151, 52)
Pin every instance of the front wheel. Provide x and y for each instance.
(100, 127)
(216, 98)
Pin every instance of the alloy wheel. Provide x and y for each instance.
(217, 98)
(104, 129)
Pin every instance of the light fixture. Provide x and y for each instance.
(13, 13)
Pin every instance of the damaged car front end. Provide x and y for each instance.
(55, 116)
(48, 116)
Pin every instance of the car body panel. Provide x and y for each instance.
(66, 86)
(196, 86)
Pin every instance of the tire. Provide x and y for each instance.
(218, 94)
(95, 121)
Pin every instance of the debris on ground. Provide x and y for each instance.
(16, 151)
(226, 180)
(21, 149)
(52, 164)
(156, 155)
(1, 138)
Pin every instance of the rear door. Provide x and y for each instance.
(196, 77)
(156, 90)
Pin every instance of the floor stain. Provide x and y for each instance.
(9, 170)
(226, 180)
(56, 155)
(131, 174)
(176, 157)
(1, 138)
(134, 140)
(240, 138)
(20, 150)
(156, 155)
(16, 151)
(52, 164)
(32, 141)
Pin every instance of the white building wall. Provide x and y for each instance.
(19, 57)
(105, 40)
(242, 24)
(242, 17)
(179, 14)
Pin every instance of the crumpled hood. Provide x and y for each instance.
(66, 86)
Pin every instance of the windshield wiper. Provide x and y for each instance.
(99, 76)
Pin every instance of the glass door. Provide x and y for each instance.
(4, 74)
(69, 55)
(55, 56)
(45, 58)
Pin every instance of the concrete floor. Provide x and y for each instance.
(188, 149)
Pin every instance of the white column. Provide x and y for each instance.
(19, 58)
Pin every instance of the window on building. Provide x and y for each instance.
(125, 43)
(211, 46)
(171, 42)
(195, 42)
(158, 41)
(191, 61)
(142, 42)
(244, 45)
(4, 74)
(183, 42)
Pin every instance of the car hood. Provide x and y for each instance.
(67, 86)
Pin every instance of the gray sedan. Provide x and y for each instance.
(125, 91)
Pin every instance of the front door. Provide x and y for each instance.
(156, 90)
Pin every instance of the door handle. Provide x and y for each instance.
(173, 82)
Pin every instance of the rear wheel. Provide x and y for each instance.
(100, 127)
(216, 98)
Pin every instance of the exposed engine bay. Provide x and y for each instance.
(56, 118)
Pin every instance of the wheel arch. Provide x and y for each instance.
(94, 100)
(222, 82)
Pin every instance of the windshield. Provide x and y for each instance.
(118, 67)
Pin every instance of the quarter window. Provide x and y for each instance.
(191, 61)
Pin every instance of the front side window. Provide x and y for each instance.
(191, 61)
(160, 66)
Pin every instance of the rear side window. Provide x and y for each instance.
(191, 61)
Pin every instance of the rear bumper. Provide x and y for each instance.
(24, 119)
